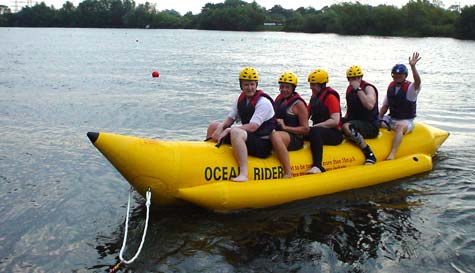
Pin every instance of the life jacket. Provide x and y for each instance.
(356, 110)
(282, 106)
(246, 111)
(399, 106)
(317, 111)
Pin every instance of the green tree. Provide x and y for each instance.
(314, 23)
(116, 12)
(465, 25)
(189, 21)
(232, 15)
(426, 19)
(141, 16)
(128, 12)
(166, 19)
(67, 15)
(354, 19)
(388, 20)
(295, 22)
(329, 17)
(39, 15)
(418, 20)
(5, 14)
(92, 13)
(278, 14)
(443, 22)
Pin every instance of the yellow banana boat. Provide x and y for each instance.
(200, 173)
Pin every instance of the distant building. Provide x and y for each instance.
(273, 24)
(4, 9)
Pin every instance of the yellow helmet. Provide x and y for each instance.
(248, 73)
(318, 76)
(288, 77)
(354, 71)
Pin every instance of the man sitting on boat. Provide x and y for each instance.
(361, 119)
(255, 110)
(401, 99)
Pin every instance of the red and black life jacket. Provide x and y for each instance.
(282, 106)
(399, 106)
(246, 110)
(317, 111)
(355, 109)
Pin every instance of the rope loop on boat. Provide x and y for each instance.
(122, 260)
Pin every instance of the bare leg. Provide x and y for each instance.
(238, 141)
(399, 131)
(280, 142)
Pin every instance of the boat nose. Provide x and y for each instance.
(93, 136)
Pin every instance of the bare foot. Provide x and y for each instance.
(241, 178)
(288, 175)
(390, 157)
(313, 170)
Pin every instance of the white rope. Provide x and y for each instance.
(148, 197)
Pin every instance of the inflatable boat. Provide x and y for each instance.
(198, 172)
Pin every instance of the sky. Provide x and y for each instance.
(183, 6)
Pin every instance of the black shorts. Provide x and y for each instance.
(365, 128)
(296, 142)
(256, 146)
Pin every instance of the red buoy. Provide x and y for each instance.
(155, 74)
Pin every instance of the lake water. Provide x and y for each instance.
(63, 205)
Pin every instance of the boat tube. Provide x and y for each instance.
(198, 172)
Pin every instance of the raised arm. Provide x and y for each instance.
(412, 62)
(367, 97)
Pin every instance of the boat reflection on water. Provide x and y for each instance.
(349, 231)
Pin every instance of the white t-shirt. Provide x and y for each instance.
(411, 94)
(264, 111)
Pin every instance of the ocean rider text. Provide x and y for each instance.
(226, 173)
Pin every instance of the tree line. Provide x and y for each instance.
(418, 18)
